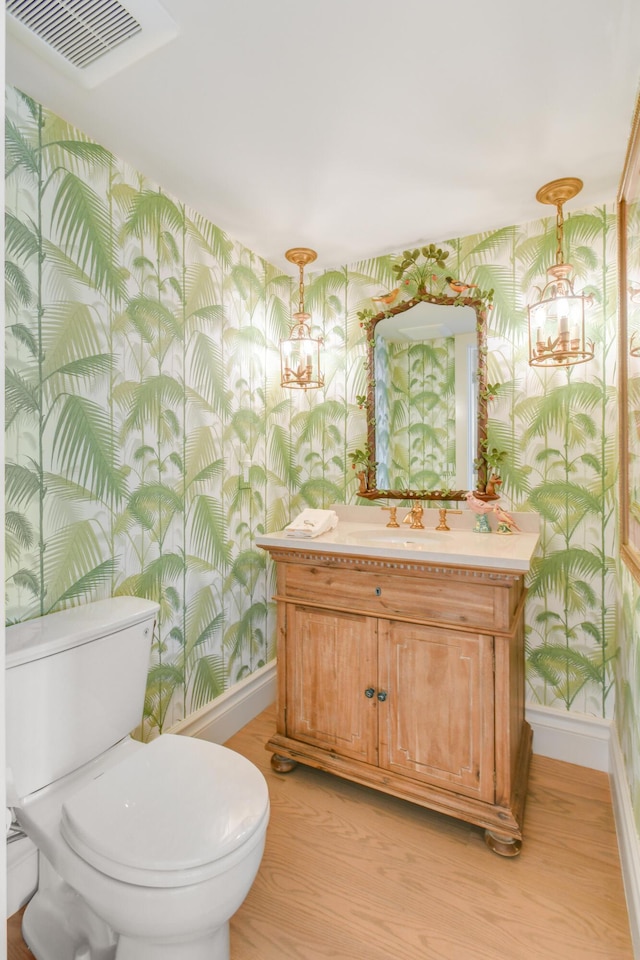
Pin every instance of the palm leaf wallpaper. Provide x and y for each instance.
(148, 439)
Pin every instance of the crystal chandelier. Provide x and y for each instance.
(300, 352)
(557, 319)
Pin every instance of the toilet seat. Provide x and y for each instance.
(168, 814)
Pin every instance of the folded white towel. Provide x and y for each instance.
(312, 523)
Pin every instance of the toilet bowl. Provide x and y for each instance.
(146, 850)
(162, 846)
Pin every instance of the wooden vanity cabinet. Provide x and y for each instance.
(407, 677)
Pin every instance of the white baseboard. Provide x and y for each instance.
(628, 841)
(572, 737)
(228, 713)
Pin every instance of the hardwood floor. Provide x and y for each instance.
(350, 874)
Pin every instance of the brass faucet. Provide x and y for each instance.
(443, 525)
(415, 517)
(393, 520)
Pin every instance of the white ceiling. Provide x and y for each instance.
(359, 127)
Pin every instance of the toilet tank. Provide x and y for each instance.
(75, 685)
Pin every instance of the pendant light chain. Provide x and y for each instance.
(301, 288)
(560, 233)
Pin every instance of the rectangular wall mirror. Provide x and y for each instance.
(426, 397)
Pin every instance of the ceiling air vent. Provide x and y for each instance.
(90, 39)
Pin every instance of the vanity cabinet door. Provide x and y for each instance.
(438, 725)
(331, 664)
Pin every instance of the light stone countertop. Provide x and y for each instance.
(362, 531)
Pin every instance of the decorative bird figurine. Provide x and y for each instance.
(493, 482)
(476, 505)
(459, 287)
(481, 509)
(387, 298)
(506, 523)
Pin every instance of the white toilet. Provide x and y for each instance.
(145, 850)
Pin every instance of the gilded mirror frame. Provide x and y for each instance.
(629, 365)
(367, 475)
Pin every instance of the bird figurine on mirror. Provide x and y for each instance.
(481, 509)
(387, 298)
(506, 523)
(493, 482)
(458, 287)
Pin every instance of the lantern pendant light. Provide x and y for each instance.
(557, 319)
(300, 352)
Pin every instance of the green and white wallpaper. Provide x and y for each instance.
(148, 439)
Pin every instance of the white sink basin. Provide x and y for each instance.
(384, 536)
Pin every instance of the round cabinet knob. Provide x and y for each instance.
(382, 695)
(369, 692)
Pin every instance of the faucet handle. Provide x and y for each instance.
(443, 525)
(393, 522)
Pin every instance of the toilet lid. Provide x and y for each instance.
(166, 814)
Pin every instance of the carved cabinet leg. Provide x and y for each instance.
(282, 764)
(503, 846)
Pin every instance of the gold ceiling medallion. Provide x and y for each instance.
(556, 320)
(300, 352)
